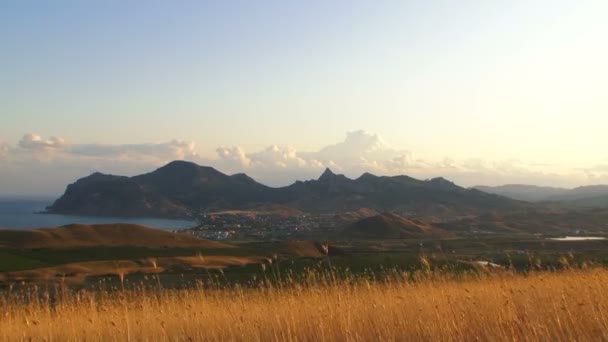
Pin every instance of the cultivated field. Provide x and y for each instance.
(566, 305)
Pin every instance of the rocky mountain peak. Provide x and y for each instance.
(327, 175)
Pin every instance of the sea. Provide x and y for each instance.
(26, 213)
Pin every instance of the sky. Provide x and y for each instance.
(479, 92)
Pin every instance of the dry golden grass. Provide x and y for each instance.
(562, 306)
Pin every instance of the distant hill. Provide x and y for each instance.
(182, 189)
(391, 226)
(101, 235)
(594, 196)
(522, 192)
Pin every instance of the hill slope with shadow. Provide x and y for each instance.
(392, 226)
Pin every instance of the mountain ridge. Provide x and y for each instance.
(182, 189)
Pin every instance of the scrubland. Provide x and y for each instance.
(566, 305)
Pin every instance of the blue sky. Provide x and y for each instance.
(479, 91)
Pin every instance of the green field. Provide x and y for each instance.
(520, 253)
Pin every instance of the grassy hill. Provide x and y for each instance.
(101, 235)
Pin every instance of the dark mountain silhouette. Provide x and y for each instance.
(182, 189)
(391, 226)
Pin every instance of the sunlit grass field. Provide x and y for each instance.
(566, 305)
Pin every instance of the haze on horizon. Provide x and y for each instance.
(478, 92)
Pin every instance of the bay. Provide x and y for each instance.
(19, 213)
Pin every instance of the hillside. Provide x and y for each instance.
(101, 235)
(348, 217)
(391, 226)
(183, 189)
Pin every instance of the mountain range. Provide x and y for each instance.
(593, 196)
(183, 189)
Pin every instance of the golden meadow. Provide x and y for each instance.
(566, 305)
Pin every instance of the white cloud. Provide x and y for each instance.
(35, 142)
(39, 165)
(174, 149)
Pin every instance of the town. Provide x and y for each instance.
(253, 226)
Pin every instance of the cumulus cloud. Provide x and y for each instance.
(358, 144)
(274, 165)
(361, 152)
(282, 157)
(233, 157)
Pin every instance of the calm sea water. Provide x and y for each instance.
(23, 214)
